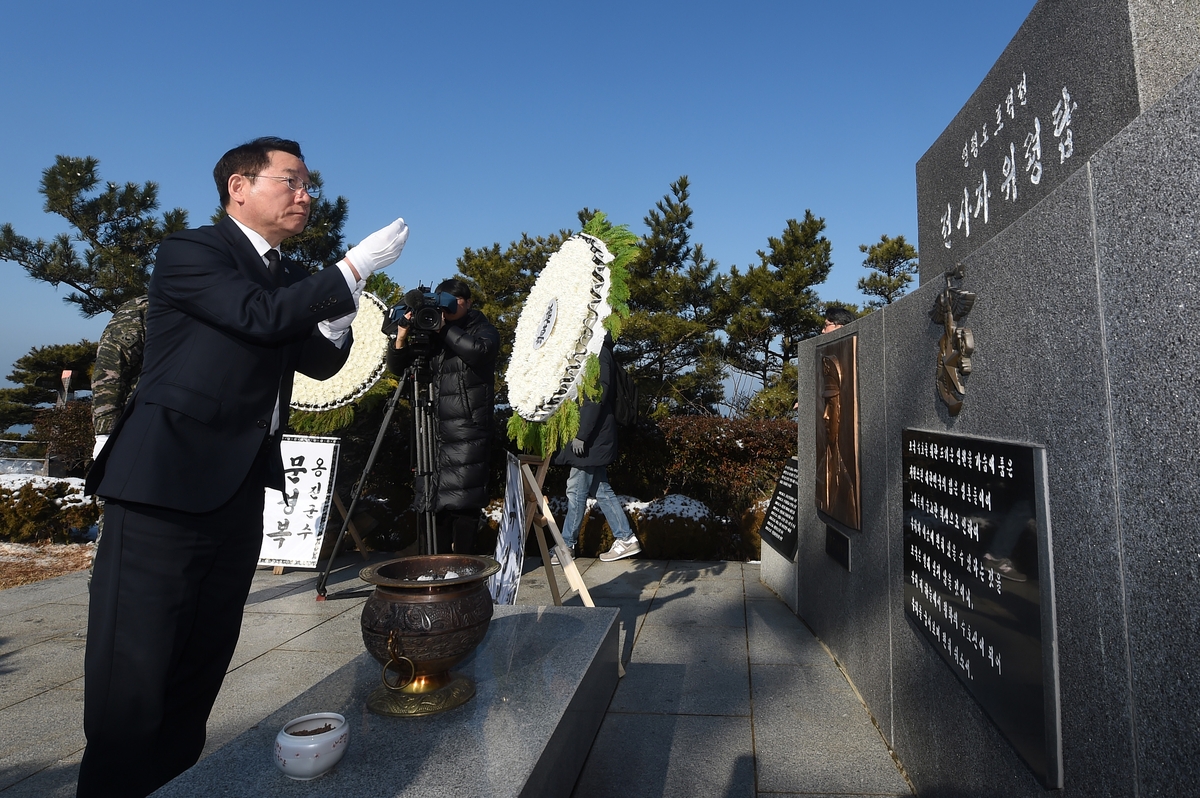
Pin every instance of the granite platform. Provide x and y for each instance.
(714, 663)
(543, 675)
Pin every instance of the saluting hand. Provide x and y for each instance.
(378, 250)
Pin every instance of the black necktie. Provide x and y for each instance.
(273, 265)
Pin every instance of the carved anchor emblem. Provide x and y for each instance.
(957, 343)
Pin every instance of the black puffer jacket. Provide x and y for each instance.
(597, 424)
(464, 365)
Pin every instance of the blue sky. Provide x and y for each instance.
(480, 121)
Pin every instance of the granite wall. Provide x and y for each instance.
(1087, 330)
(1076, 73)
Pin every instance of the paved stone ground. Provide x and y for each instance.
(726, 692)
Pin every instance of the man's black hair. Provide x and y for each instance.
(249, 158)
(454, 287)
(838, 315)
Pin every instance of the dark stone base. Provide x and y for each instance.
(544, 677)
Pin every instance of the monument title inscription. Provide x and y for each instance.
(977, 583)
(1045, 107)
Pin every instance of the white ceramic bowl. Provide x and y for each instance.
(305, 756)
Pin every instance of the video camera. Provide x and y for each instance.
(422, 310)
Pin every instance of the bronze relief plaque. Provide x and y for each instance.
(837, 473)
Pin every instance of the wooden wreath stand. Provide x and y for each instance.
(538, 515)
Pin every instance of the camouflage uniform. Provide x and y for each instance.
(118, 366)
(118, 363)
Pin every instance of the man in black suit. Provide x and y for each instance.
(183, 471)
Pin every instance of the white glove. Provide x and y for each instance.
(100, 441)
(335, 329)
(378, 250)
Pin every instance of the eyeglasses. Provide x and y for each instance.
(294, 184)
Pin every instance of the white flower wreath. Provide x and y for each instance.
(560, 326)
(362, 369)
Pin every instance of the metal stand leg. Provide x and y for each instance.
(387, 417)
(424, 460)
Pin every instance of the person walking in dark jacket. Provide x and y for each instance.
(589, 454)
(463, 364)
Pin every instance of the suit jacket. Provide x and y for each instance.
(222, 345)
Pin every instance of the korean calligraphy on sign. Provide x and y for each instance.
(975, 578)
(1012, 144)
(294, 521)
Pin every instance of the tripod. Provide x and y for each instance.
(423, 457)
(423, 454)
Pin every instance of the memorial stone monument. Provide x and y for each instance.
(1075, 74)
(1035, 626)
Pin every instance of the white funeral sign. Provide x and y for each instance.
(510, 544)
(294, 524)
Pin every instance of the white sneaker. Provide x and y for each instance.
(622, 549)
(554, 555)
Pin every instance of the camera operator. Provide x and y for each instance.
(462, 357)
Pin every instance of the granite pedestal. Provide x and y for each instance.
(544, 677)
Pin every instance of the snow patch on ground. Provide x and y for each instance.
(41, 555)
(15, 482)
(676, 505)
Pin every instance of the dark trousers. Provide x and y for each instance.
(456, 530)
(166, 606)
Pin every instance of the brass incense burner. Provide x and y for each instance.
(426, 615)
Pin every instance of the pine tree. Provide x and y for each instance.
(669, 342)
(893, 262)
(39, 373)
(774, 303)
(777, 399)
(116, 225)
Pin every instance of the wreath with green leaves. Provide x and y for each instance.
(581, 294)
